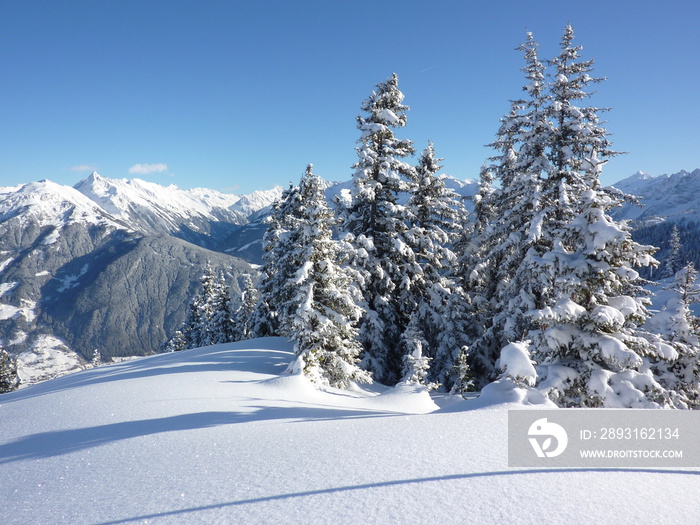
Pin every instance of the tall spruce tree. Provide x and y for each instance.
(209, 316)
(474, 277)
(673, 262)
(374, 222)
(495, 272)
(199, 312)
(220, 327)
(243, 315)
(547, 263)
(438, 323)
(323, 308)
(279, 265)
(587, 337)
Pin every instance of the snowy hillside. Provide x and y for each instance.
(217, 435)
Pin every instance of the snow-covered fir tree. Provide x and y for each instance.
(280, 264)
(199, 311)
(243, 315)
(464, 377)
(220, 327)
(677, 323)
(673, 261)
(549, 273)
(176, 343)
(474, 283)
(209, 316)
(374, 224)
(416, 364)
(96, 358)
(587, 337)
(494, 271)
(438, 323)
(322, 324)
(9, 379)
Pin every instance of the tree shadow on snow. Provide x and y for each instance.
(382, 484)
(59, 442)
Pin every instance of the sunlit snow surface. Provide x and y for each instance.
(219, 435)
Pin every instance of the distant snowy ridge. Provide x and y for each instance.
(154, 208)
(670, 197)
(51, 204)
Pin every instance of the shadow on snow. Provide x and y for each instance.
(59, 442)
(380, 484)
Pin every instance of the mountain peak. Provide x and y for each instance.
(642, 175)
(95, 178)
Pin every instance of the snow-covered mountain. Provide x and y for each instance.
(46, 204)
(107, 264)
(666, 197)
(667, 201)
(200, 215)
(221, 435)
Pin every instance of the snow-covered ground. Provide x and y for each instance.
(220, 435)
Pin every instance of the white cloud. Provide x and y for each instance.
(145, 169)
(83, 167)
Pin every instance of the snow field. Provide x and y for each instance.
(217, 435)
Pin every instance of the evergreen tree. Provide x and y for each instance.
(243, 315)
(9, 379)
(199, 312)
(464, 377)
(416, 365)
(324, 310)
(496, 274)
(548, 271)
(677, 323)
(176, 343)
(96, 358)
(209, 316)
(673, 262)
(587, 339)
(279, 266)
(374, 222)
(219, 326)
(438, 322)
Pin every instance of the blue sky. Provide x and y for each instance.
(238, 96)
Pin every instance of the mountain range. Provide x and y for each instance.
(111, 264)
(665, 197)
(108, 265)
(666, 202)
